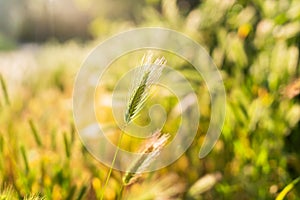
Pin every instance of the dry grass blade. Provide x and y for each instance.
(146, 77)
(148, 155)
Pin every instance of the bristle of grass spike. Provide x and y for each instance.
(24, 156)
(35, 133)
(4, 89)
(148, 75)
(150, 152)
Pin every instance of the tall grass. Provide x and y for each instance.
(256, 48)
(147, 76)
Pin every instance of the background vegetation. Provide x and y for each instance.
(255, 45)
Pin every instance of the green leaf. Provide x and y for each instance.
(287, 189)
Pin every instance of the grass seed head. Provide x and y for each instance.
(147, 75)
(149, 153)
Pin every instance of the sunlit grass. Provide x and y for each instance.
(256, 48)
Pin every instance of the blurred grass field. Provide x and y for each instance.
(255, 45)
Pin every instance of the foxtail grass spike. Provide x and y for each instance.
(151, 150)
(148, 75)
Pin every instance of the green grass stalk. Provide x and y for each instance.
(4, 89)
(35, 133)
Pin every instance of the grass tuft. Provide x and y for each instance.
(148, 75)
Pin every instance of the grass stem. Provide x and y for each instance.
(112, 165)
(35, 133)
